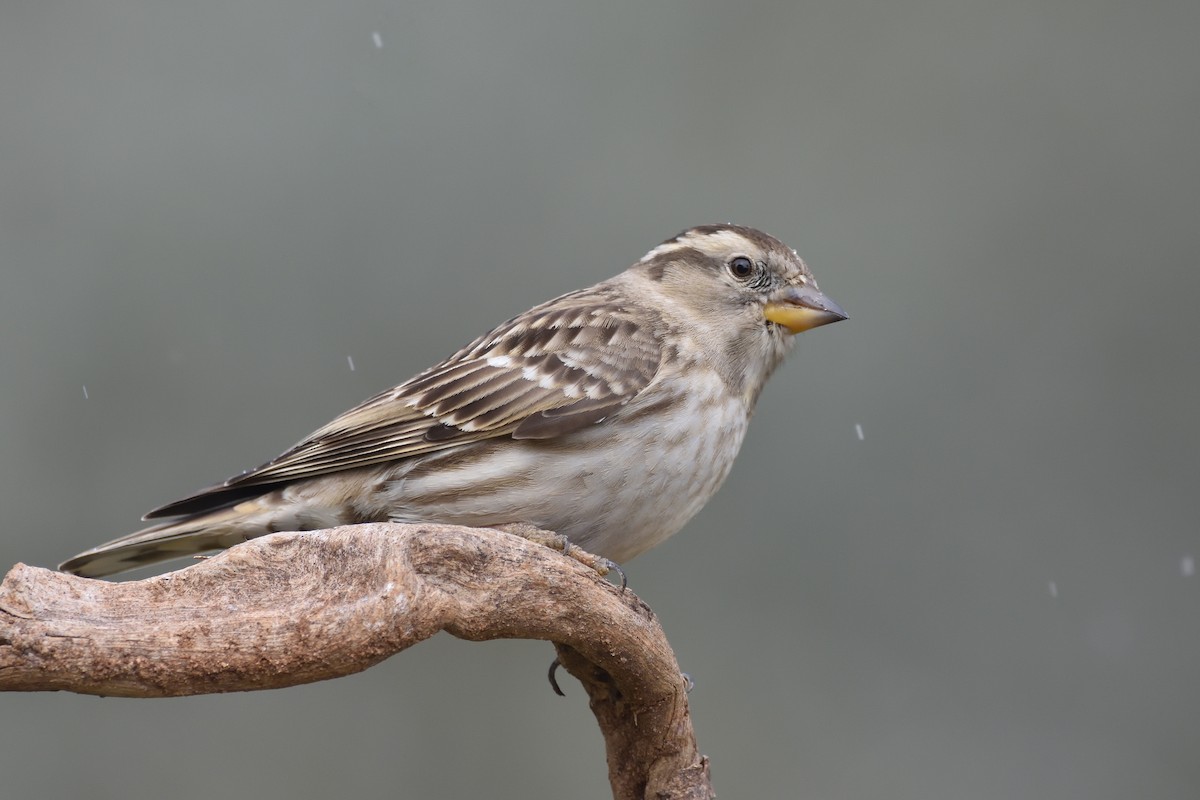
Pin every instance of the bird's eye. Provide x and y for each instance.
(741, 268)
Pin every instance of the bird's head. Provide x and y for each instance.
(746, 292)
(716, 267)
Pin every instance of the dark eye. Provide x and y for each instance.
(741, 268)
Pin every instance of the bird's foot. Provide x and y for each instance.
(555, 541)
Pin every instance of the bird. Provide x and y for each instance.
(609, 415)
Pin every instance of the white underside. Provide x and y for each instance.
(616, 497)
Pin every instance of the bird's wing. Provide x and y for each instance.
(561, 366)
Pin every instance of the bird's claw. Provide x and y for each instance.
(601, 565)
(554, 665)
(612, 566)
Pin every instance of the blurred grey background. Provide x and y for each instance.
(207, 209)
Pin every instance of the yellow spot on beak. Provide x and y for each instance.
(800, 308)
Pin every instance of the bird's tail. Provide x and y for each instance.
(198, 533)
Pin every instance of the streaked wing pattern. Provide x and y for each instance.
(558, 367)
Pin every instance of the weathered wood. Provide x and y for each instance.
(294, 608)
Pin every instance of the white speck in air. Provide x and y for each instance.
(350, 361)
(1187, 566)
(85, 397)
(377, 38)
(858, 430)
(1053, 587)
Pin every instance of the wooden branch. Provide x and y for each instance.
(293, 608)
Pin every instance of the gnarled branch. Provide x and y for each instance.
(294, 608)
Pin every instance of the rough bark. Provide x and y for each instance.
(294, 608)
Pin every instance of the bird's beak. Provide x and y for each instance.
(799, 308)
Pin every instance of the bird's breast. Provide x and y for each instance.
(616, 488)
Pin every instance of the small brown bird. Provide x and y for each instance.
(609, 415)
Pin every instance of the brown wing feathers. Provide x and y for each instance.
(527, 378)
